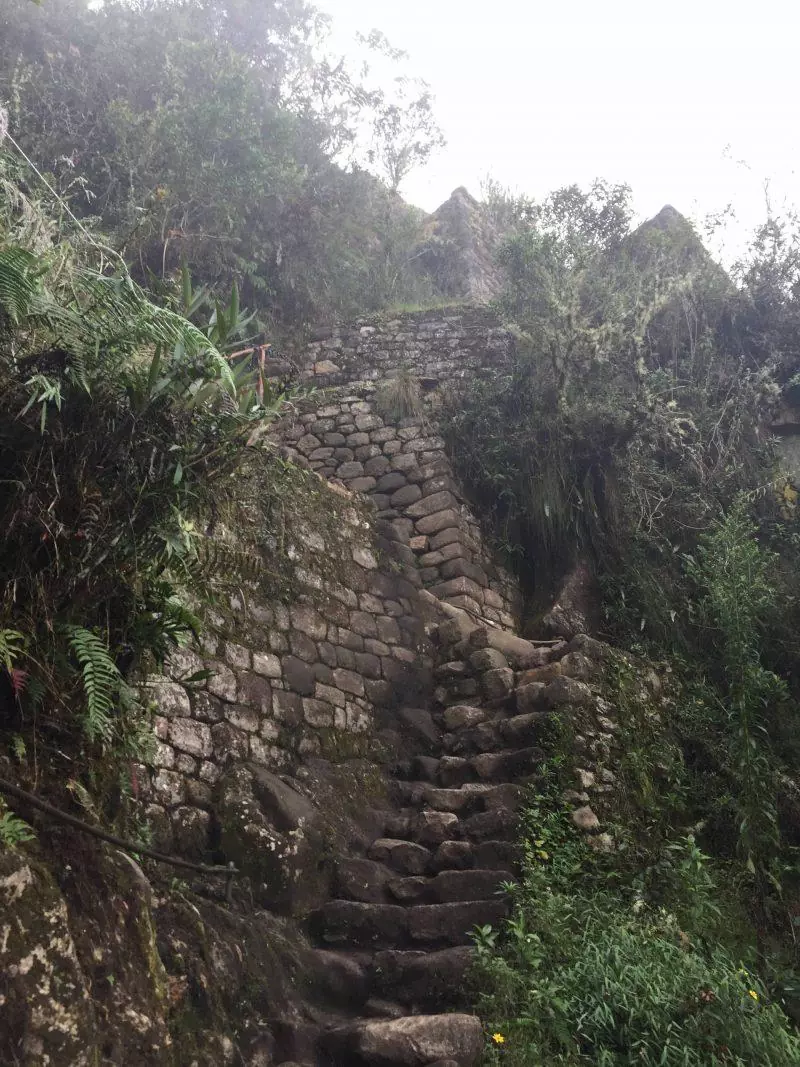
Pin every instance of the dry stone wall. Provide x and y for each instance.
(345, 434)
(296, 681)
(289, 681)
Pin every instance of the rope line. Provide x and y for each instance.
(92, 240)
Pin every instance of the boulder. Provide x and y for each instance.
(275, 836)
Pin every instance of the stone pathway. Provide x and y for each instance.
(398, 930)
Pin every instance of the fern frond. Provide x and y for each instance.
(19, 281)
(101, 679)
(215, 558)
(11, 646)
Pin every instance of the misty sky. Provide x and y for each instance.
(541, 94)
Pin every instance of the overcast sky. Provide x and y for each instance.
(548, 92)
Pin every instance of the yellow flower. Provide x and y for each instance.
(752, 993)
(498, 1039)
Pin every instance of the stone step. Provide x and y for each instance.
(347, 923)
(351, 923)
(423, 980)
(406, 857)
(362, 880)
(409, 1041)
(342, 979)
(498, 824)
(485, 737)
(525, 729)
(470, 855)
(472, 797)
(452, 923)
(426, 827)
(430, 828)
(448, 887)
(506, 765)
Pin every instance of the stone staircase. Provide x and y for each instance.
(399, 926)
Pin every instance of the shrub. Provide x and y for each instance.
(583, 976)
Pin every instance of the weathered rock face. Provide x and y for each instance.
(275, 835)
(48, 1016)
(458, 251)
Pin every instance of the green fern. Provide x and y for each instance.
(13, 831)
(101, 680)
(19, 274)
(11, 646)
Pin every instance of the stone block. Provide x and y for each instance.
(169, 698)
(377, 466)
(365, 557)
(349, 682)
(242, 717)
(169, 787)
(267, 665)
(404, 461)
(308, 621)
(288, 708)
(388, 630)
(317, 713)
(439, 520)
(430, 504)
(345, 657)
(449, 535)
(236, 655)
(205, 707)
(298, 675)
(164, 756)
(586, 820)
(366, 452)
(307, 443)
(277, 641)
(229, 743)
(529, 697)
(362, 485)
(368, 665)
(254, 691)
(462, 568)
(458, 587)
(564, 691)
(366, 423)
(303, 647)
(350, 470)
(223, 683)
(191, 736)
(329, 694)
(462, 716)
(409, 494)
(390, 483)
(191, 829)
(386, 433)
(487, 659)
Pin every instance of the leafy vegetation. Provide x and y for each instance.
(228, 137)
(631, 432)
(122, 425)
(596, 971)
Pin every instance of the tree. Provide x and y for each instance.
(404, 131)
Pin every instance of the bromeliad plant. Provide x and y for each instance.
(120, 422)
